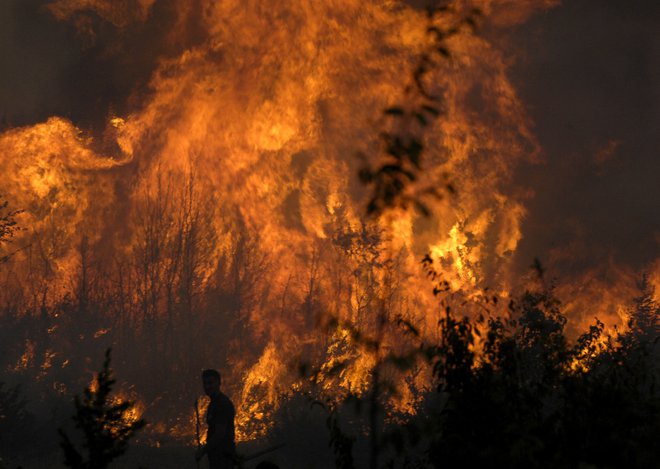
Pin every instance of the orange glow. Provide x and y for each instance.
(249, 138)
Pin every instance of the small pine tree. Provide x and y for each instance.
(105, 423)
(644, 321)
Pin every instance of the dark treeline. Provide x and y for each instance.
(507, 390)
(531, 399)
(171, 291)
(527, 398)
(493, 385)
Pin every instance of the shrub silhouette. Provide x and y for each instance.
(512, 391)
(105, 423)
(532, 400)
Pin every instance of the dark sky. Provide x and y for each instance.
(36, 54)
(49, 69)
(588, 70)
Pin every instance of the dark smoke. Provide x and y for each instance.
(52, 67)
(590, 74)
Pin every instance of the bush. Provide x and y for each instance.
(106, 423)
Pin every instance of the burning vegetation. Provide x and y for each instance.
(317, 198)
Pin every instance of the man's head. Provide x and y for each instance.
(211, 382)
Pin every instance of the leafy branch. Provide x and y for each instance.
(402, 147)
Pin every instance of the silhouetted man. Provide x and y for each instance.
(220, 447)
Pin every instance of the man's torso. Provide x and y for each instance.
(220, 414)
